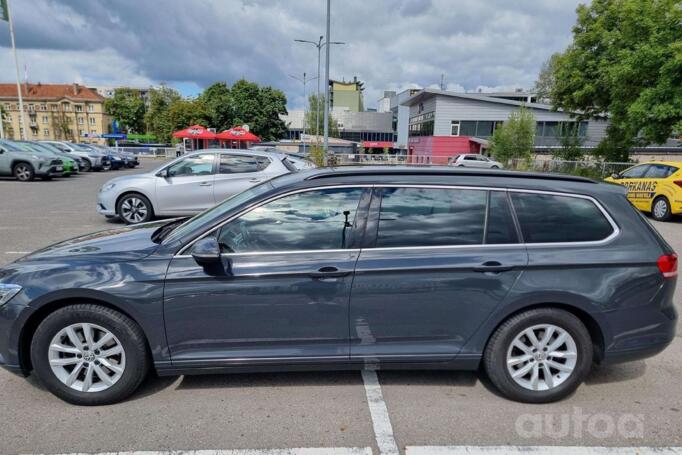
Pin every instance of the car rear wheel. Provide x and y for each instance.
(539, 356)
(89, 354)
(23, 172)
(134, 208)
(660, 209)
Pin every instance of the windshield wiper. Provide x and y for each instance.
(163, 231)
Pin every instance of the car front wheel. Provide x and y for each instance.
(134, 208)
(24, 172)
(89, 354)
(539, 356)
(86, 166)
(660, 209)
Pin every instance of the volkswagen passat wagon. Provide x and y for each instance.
(532, 277)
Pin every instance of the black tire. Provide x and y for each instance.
(121, 212)
(658, 214)
(494, 167)
(87, 165)
(130, 335)
(495, 356)
(107, 166)
(23, 172)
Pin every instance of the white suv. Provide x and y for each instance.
(475, 160)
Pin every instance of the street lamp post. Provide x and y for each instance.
(326, 85)
(305, 81)
(319, 44)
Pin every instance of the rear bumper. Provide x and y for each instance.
(654, 332)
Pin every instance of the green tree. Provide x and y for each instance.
(545, 83)
(127, 106)
(183, 113)
(625, 62)
(260, 108)
(218, 103)
(315, 112)
(514, 138)
(571, 142)
(156, 119)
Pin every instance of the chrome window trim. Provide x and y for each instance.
(614, 226)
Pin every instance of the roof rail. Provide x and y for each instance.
(441, 170)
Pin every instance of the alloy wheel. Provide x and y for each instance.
(542, 357)
(133, 210)
(22, 172)
(87, 357)
(660, 208)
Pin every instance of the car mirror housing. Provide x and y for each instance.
(206, 251)
(162, 173)
(616, 176)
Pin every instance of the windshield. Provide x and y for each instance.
(9, 146)
(218, 211)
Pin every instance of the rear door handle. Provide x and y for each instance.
(255, 180)
(205, 184)
(329, 272)
(492, 266)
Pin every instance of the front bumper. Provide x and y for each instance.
(106, 203)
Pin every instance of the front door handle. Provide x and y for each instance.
(329, 272)
(255, 180)
(205, 184)
(492, 266)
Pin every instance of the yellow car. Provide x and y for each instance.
(654, 187)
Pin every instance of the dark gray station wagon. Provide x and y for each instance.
(531, 277)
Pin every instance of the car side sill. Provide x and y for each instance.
(467, 362)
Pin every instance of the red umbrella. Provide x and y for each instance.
(237, 134)
(195, 132)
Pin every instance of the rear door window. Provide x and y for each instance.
(239, 164)
(659, 171)
(547, 218)
(413, 217)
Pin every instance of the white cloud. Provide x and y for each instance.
(392, 44)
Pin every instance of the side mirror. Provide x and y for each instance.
(163, 173)
(616, 176)
(206, 252)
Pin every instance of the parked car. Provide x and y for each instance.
(189, 184)
(130, 159)
(54, 149)
(25, 164)
(92, 160)
(532, 276)
(69, 165)
(112, 161)
(475, 160)
(654, 187)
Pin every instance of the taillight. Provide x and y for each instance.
(678, 183)
(667, 264)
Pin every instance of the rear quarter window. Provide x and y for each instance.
(547, 218)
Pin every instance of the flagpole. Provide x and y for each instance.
(22, 118)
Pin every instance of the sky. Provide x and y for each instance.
(482, 45)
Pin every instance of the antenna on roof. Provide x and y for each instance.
(442, 81)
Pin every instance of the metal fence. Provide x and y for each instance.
(595, 169)
(152, 152)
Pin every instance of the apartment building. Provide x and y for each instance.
(70, 112)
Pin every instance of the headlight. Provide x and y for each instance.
(94, 156)
(7, 291)
(108, 187)
(38, 158)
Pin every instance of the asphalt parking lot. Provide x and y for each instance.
(635, 404)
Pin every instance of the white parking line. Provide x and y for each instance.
(297, 451)
(383, 430)
(539, 450)
(17, 252)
